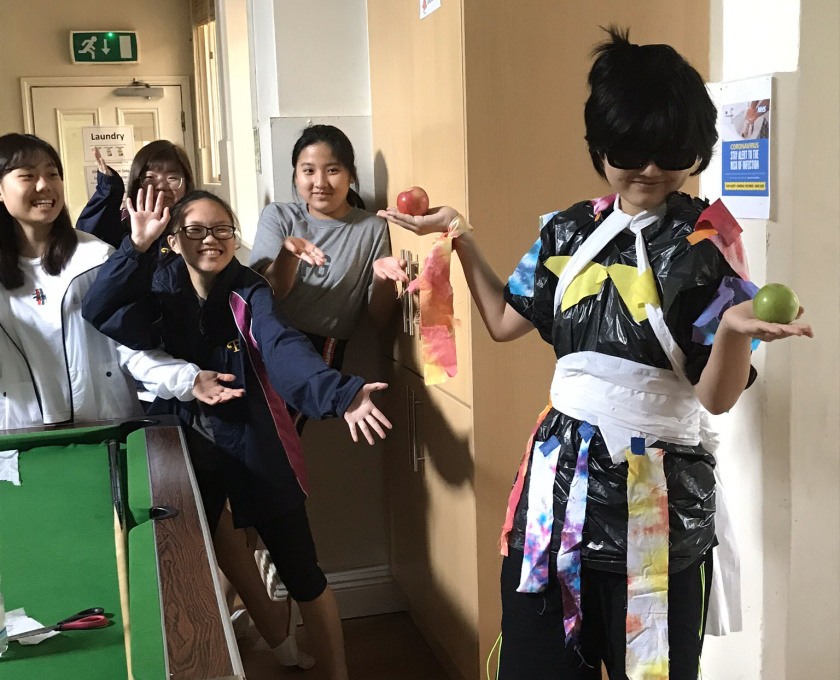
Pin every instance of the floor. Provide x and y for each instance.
(386, 647)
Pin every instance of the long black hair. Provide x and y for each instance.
(341, 148)
(647, 98)
(17, 151)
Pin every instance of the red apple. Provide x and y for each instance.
(775, 303)
(413, 201)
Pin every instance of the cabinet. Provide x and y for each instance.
(481, 104)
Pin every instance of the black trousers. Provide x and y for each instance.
(284, 529)
(533, 637)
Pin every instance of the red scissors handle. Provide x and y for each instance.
(94, 621)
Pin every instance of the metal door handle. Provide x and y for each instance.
(413, 449)
(406, 297)
(413, 271)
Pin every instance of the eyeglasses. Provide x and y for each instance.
(153, 180)
(632, 159)
(198, 232)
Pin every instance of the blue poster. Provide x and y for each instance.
(745, 149)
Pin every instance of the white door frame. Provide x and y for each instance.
(26, 85)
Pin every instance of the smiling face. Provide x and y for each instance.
(34, 192)
(646, 187)
(322, 182)
(208, 256)
(168, 178)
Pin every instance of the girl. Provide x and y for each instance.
(326, 258)
(209, 306)
(611, 522)
(161, 165)
(56, 368)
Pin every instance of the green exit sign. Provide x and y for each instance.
(103, 47)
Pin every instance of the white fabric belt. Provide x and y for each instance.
(626, 399)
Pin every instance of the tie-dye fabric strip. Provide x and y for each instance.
(518, 485)
(571, 538)
(521, 282)
(540, 517)
(437, 312)
(646, 655)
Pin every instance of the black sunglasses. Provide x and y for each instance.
(632, 159)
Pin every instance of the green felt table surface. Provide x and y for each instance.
(57, 557)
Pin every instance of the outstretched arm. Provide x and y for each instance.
(362, 413)
(503, 322)
(282, 270)
(725, 376)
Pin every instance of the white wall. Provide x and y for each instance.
(237, 148)
(311, 65)
(782, 524)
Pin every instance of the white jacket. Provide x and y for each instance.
(99, 387)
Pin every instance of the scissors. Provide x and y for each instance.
(95, 617)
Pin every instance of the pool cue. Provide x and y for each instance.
(120, 539)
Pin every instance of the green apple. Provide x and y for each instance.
(775, 303)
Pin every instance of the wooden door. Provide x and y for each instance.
(60, 112)
(431, 509)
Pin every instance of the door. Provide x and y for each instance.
(429, 472)
(60, 112)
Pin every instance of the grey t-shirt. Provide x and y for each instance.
(326, 300)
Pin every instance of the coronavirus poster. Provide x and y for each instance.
(744, 110)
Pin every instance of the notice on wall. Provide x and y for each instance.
(428, 6)
(116, 146)
(744, 109)
(115, 143)
(122, 169)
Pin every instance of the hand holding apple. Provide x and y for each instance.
(413, 201)
(741, 319)
(776, 303)
(435, 221)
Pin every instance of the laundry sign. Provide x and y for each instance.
(103, 47)
(115, 143)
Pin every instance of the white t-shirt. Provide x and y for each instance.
(36, 316)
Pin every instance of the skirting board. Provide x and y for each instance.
(366, 591)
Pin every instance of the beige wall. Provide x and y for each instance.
(813, 616)
(34, 39)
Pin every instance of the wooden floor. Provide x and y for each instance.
(386, 647)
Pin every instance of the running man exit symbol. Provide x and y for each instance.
(91, 47)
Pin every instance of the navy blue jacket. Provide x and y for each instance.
(236, 330)
(104, 218)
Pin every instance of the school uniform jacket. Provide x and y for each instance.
(99, 389)
(236, 330)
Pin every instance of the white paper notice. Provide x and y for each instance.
(428, 6)
(9, 467)
(115, 143)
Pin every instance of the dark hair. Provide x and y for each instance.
(341, 148)
(16, 151)
(176, 220)
(159, 153)
(646, 97)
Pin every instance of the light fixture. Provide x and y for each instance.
(139, 89)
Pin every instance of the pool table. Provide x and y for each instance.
(59, 540)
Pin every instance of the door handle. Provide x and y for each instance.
(413, 271)
(406, 297)
(413, 448)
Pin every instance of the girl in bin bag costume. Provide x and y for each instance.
(644, 297)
